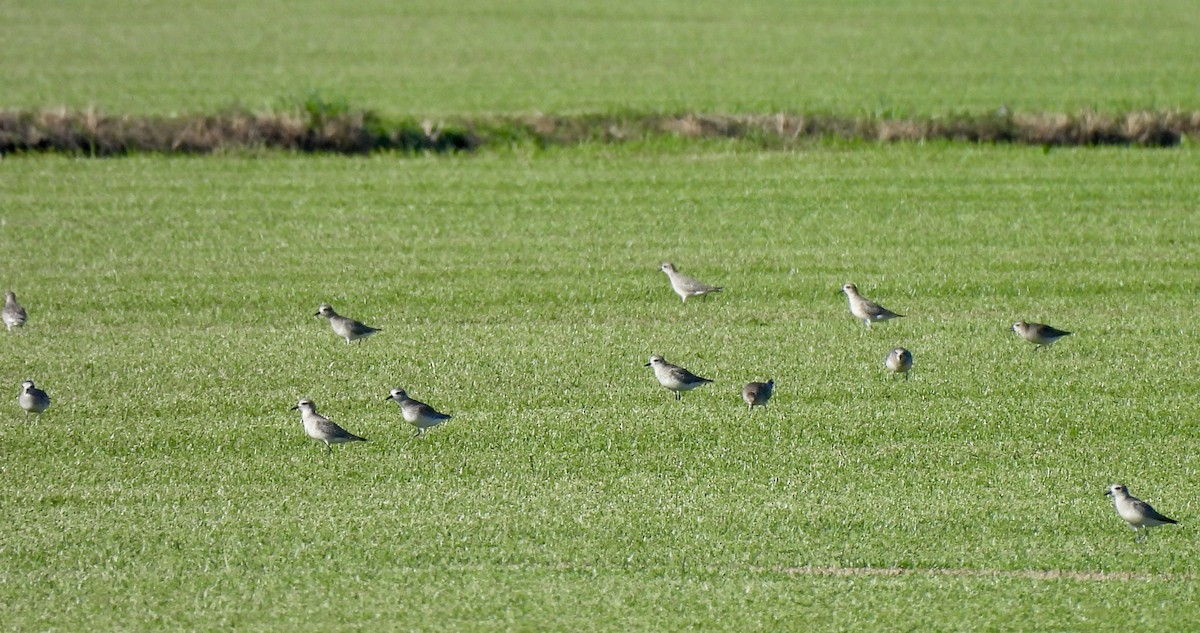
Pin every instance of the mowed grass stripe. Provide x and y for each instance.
(892, 572)
(1031, 574)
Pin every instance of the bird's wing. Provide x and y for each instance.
(1049, 332)
(876, 310)
(328, 427)
(426, 410)
(691, 284)
(682, 375)
(358, 327)
(1149, 512)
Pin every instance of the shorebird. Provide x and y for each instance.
(345, 327)
(756, 394)
(417, 413)
(685, 286)
(1039, 334)
(899, 361)
(1137, 513)
(674, 377)
(323, 429)
(32, 399)
(13, 314)
(865, 309)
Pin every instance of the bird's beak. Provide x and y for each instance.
(1108, 493)
(316, 314)
(294, 408)
(646, 365)
(387, 398)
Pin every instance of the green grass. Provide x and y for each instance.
(438, 57)
(171, 306)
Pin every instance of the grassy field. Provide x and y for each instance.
(171, 305)
(444, 57)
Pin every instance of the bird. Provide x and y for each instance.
(685, 286)
(674, 377)
(32, 399)
(756, 394)
(1040, 334)
(1137, 513)
(345, 327)
(323, 429)
(13, 314)
(899, 361)
(417, 413)
(865, 309)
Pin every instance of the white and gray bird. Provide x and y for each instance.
(685, 286)
(865, 309)
(899, 361)
(323, 429)
(674, 377)
(13, 314)
(345, 327)
(32, 399)
(1137, 513)
(756, 394)
(416, 413)
(1040, 334)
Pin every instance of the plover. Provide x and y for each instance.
(323, 429)
(674, 377)
(32, 399)
(13, 314)
(1039, 334)
(865, 309)
(1137, 513)
(756, 394)
(685, 286)
(345, 327)
(417, 413)
(899, 361)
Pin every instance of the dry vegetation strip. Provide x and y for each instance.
(93, 133)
